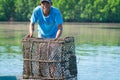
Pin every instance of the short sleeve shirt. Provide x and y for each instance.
(47, 26)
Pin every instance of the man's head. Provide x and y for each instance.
(50, 1)
(46, 5)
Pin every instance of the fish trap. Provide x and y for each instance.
(48, 59)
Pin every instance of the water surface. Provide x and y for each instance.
(97, 49)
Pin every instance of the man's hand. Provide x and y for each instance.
(59, 32)
(29, 35)
(55, 39)
(31, 30)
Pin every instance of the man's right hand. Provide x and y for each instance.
(31, 30)
(29, 35)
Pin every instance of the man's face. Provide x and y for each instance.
(46, 7)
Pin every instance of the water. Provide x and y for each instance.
(98, 54)
(11, 64)
(98, 62)
(93, 63)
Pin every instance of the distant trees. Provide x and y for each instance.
(72, 10)
(6, 9)
(89, 10)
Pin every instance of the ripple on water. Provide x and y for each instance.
(15, 48)
(11, 64)
(7, 49)
(2, 49)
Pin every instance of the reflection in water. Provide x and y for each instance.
(3, 49)
(10, 49)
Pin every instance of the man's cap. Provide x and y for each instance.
(46, 1)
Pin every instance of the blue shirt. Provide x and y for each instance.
(47, 26)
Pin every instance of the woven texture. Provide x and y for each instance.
(46, 59)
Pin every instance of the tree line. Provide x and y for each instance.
(72, 10)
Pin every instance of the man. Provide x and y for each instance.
(49, 21)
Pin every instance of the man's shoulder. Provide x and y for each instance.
(55, 10)
(37, 8)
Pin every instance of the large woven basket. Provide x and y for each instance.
(46, 59)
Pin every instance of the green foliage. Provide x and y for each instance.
(6, 9)
(24, 9)
(72, 10)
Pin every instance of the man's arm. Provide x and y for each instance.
(31, 30)
(59, 32)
